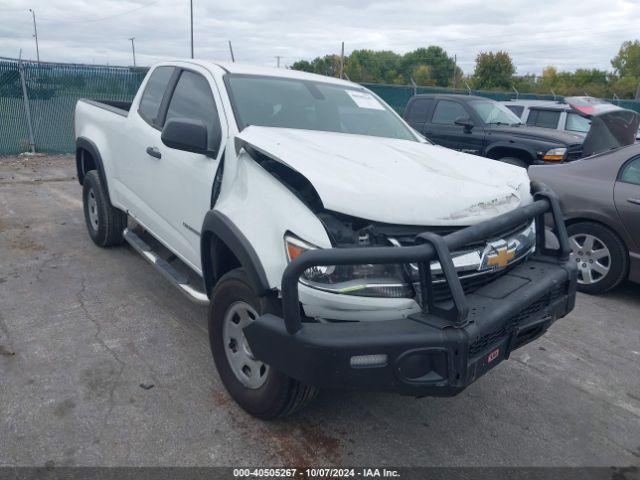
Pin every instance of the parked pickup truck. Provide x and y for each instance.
(334, 245)
(485, 127)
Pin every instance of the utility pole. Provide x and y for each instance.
(191, 5)
(133, 49)
(231, 52)
(342, 61)
(455, 63)
(278, 57)
(35, 34)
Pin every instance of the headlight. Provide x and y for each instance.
(370, 280)
(555, 154)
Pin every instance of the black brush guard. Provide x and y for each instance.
(443, 348)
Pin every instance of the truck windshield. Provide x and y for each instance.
(494, 113)
(310, 105)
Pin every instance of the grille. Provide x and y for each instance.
(481, 343)
(470, 284)
(574, 152)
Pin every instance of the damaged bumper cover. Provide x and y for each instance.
(445, 347)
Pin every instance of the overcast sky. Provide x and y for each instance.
(566, 33)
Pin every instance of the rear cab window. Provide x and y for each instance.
(154, 91)
(543, 118)
(418, 110)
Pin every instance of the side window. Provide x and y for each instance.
(517, 109)
(631, 172)
(448, 112)
(153, 93)
(192, 99)
(418, 110)
(544, 118)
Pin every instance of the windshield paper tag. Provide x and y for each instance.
(365, 100)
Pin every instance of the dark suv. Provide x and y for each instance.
(485, 127)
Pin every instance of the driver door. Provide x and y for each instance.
(184, 180)
(445, 132)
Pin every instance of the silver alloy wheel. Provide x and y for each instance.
(251, 372)
(592, 256)
(92, 205)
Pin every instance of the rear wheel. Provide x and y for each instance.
(257, 388)
(601, 256)
(105, 223)
(514, 161)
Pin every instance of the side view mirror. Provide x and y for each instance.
(186, 135)
(464, 122)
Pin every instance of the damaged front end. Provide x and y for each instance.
(444, 347)
(476, 263)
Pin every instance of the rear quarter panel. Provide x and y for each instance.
(104, 129)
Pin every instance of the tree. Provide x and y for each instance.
(440, 65)
(422, 75)
(303, 66)
(493, 70)
(627, 61)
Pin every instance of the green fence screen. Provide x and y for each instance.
(52, 91)
(54, 88)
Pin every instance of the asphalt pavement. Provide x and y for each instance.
(103, 363)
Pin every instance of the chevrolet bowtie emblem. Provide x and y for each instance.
(498, 255)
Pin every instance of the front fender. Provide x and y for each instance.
(252, 214)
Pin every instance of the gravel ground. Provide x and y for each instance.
(81, 328)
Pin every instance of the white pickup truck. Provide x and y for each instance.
(335, 246)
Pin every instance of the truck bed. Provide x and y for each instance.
(115, 106)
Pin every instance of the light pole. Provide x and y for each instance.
(35, 34)
(191, 5)
(133, 49)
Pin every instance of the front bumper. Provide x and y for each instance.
(441, 349)
(422, 357)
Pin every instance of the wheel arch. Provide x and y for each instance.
(500, 150)
(88, 158)
(223, 247)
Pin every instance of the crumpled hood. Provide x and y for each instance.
(394, 181)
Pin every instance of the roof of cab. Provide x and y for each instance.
(452, 96)
(248, 69)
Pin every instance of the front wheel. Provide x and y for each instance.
(256, 387)
(601, 257)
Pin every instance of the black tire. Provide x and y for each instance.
(514, 161)
(279, 395)
(618, 264)
(105, 223)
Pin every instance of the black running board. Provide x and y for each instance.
(170, 273)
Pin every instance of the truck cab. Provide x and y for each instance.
(488, 128)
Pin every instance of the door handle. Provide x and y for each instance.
(634, 200)
(154, 152)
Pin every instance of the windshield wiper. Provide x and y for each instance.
(498, 123)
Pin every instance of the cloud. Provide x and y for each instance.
(568, 34)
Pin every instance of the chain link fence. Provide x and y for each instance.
(37, 100)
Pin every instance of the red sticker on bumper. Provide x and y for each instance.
(493, 355)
